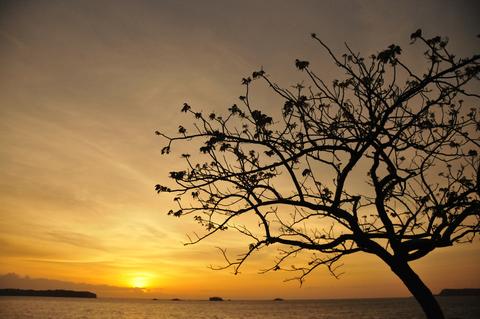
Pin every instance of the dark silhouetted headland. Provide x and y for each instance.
(47, 293)
(460, 292)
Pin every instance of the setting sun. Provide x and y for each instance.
(140, 280)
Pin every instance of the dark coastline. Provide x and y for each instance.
(47, 293)
(460, 292)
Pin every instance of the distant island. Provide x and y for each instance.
(278, 299)
(460, 292)
(215, 299)
(47, 293)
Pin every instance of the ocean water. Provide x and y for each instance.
(103, 308)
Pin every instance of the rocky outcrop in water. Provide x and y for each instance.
(215, 299)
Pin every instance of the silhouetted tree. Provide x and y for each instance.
(384, 161)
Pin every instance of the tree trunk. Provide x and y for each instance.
(418, 289)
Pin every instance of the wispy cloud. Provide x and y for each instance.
(12, 39)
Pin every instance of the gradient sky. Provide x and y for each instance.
(83, 86)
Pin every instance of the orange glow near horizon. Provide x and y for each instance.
(140, 280)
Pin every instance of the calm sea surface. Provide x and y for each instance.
(73, 308)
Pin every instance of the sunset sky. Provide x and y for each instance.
(83, 87)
